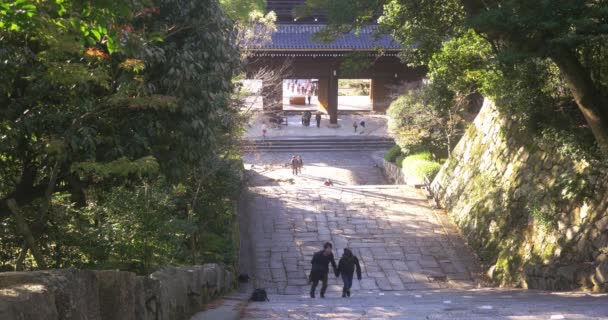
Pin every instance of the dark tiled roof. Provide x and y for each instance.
(299, 37)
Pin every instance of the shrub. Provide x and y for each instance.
(419, 165)
(423, 155)
(399, 160)
(393, 153)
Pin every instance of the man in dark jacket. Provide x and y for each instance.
(346, 267)
(320, 268)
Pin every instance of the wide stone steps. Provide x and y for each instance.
(444, 304)
(402, 243)
(317, 144)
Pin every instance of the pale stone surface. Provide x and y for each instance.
(379, 223)
(434, 304)
(343, 168)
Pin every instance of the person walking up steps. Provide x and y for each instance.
(294, 165)
(309, 95)
(346, 268)
(300, 164)
(320, 269)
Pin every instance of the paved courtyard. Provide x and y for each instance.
(343, 168)
(375, 125)
(401, 242)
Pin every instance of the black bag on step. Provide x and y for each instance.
(259, 295)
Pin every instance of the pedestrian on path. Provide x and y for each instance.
(294, 165)
(355, 125)
(320, 269)
(346, 267)
(318, 118)
(300, 164)
(309, 94)
(264, 130)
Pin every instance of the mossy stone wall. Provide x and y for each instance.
(537, 218)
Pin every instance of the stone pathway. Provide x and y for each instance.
(344, 168)
(415, 265)
(375, 125)
(435, 304)
(401, 242)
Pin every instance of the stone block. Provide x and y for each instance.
(116, 294)
(16, 302)
(57, 294)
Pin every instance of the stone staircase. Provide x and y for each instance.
(402, 243)
(304, 144)
(415, 265)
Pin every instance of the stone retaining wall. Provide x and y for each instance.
(536, 217)
(391, 171)
(172, 293)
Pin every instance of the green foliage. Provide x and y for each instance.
(118, 133)
(252, 26)
(413, 123)
(358, 87)
(540, 60)
(243, 10)
(355, 63)
(399, 160)
(543, 216)
(392, 153)
(423, 26)
(420, 165)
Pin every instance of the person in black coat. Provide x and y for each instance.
(320, 268)
(346, 268)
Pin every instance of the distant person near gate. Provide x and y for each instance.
(309, 94)
(294, 165)
(300, 164)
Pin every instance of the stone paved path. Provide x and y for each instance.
(401, 242)
(415, 265)
(344, 168)
(435, 304)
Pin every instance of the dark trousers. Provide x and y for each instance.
(348, 281)
(323, 285)
(318, 123)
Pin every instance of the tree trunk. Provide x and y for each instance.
(588, 98)
(21, 257)
(24, 229)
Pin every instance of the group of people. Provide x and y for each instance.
(357, 124)
(309, 89)
(296, 164)
(307, 115)
(348, 264)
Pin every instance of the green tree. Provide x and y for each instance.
(101, 100)
(570, 34)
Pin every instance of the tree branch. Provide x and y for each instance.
(26, 232)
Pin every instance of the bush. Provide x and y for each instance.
(419, 165)
(423, 155)
(399, 160)
(393, 153)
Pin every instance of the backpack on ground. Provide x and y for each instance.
(259, 295)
